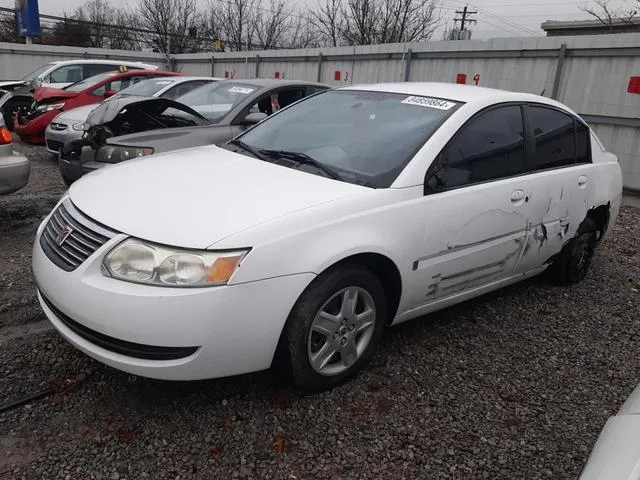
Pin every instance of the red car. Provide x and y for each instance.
(49, 102)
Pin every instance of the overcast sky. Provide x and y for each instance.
(506, 18)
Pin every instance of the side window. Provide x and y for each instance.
(92, 69)
(583, 147)
(287, 97)
(67, 74)
(554, 138)
(490, 147)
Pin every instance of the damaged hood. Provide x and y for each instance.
(107, 113)
(48, 93)
(12, 84)
(195, 197)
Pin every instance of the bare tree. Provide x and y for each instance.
(302, 33)
(176, 24)
(328, 19)
(609, 12)
(273, 24)
(365, 22)
(234, 21)
(98, 13)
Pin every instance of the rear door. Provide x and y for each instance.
(560, 172)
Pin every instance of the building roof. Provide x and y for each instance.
(617, 25)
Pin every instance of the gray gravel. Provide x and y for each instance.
(516, 384)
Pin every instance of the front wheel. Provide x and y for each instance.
(334, 327)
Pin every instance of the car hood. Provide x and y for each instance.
(193, 198)
(76, 114)
(107, 113)
(10, 84)
(48, 93)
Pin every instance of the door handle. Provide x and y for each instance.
(517, 197)
(582, 180)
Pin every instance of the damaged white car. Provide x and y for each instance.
(297, 242)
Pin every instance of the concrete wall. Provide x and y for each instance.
(588, 73)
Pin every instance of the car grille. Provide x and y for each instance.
(130, 349)
(69, 237)
(58, 127)
(53, 145)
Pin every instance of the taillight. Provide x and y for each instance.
(5, 136)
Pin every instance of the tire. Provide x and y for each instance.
(67, 181)
(11, 110)
(573, 262)
(352, 336)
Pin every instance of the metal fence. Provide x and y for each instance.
(588, 73)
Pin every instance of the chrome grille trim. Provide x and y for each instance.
(85, 238)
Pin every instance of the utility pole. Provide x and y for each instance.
(465, 17)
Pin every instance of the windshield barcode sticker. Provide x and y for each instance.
(429, 102)
(244, 90)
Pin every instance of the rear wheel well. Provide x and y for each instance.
(386, 271)
(600, 215)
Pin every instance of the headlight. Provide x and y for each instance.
(117, 153)
(49, 107)
(142, 262)
(79, 127)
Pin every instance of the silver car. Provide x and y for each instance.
(14, 168)
(69, 125)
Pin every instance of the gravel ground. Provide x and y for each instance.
(516, 384)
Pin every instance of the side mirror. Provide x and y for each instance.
(110, 93)
(253, 118)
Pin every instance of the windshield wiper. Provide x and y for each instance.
(304, 159)
(253, 151)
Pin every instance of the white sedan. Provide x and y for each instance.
(296, 243)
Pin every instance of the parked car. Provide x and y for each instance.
(229, 107)
(69, 125)
(298, 241)
(14, 168)
(16, 95)
(616, 454)
(49, 102)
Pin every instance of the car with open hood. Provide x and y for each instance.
(16, 95)
(299, 241)
(49, 102)
(229, 108)
(70, 124)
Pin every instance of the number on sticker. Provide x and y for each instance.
(429, 102)
(244, 90)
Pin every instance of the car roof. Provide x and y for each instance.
(103, 62)
(456, 92)
(181, 79)
(273, 82)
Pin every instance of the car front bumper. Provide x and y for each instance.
(32, 131)
(56, 139)
(14, 171)
(213, 332)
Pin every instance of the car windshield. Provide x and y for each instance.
(213, 101)
(366, 137)
(89, 82)
(33, 75)
(147, 88)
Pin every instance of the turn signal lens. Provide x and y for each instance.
(223, 268)
(5, 136)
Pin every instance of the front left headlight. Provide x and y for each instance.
(120, 153)
(79, 127)
(144, 262)
(47, 107)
